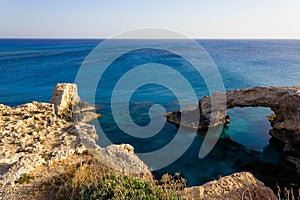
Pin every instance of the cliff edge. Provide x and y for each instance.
(37, 139)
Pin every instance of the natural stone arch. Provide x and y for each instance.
(283, 101)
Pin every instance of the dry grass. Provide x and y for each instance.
(92, 180)
(288, 193)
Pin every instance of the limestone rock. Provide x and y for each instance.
(127, 147)
(283, 101)
(233, 187)
(117, 157)
(68, 105)
(39, 134)
(87, 135)
(122, 158)
(24, 165)
(31, 134)
(64, 98)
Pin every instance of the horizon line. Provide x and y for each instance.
(150, 38)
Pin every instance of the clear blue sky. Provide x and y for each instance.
(194, 18)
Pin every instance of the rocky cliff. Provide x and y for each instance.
(40, 135)
(283, 101)
(37, 138)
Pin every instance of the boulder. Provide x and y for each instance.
(233, 187)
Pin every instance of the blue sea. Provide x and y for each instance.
(30, 69)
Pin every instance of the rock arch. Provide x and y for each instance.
(284, 101)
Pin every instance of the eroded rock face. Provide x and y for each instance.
(38, 135)
(283, 101)
(65, 98)
(31, 135)
(68, 105)
(41, 134)
(233, 187)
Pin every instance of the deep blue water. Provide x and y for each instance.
(29, 69)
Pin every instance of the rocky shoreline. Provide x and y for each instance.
(37, 137)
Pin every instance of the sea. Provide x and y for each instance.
(30, 69)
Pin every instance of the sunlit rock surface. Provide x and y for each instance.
(40, 134)
(233, 187)
(283, 101)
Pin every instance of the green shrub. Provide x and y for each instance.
(124, 187)
(25, 178)
(93, 180)
(47, 157)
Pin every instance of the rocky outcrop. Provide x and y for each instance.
(37, 137)
(283, 101)
(68, 105)
(233, 187)
(65, 98)
(42, 134)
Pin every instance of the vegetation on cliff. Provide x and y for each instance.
(46, 155)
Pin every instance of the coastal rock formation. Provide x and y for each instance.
(283, 101)
(36, 138)
(65, 98)
(68, 105)
(41, 134)
(233, 187)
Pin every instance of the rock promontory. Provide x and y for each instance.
(42, 135)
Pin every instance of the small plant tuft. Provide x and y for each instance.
(25, 178)
(47, 157)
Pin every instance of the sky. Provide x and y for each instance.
(107, 18)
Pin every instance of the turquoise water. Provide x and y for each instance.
(29, 69)
(255, 125)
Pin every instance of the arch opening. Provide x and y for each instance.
(249, 126)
